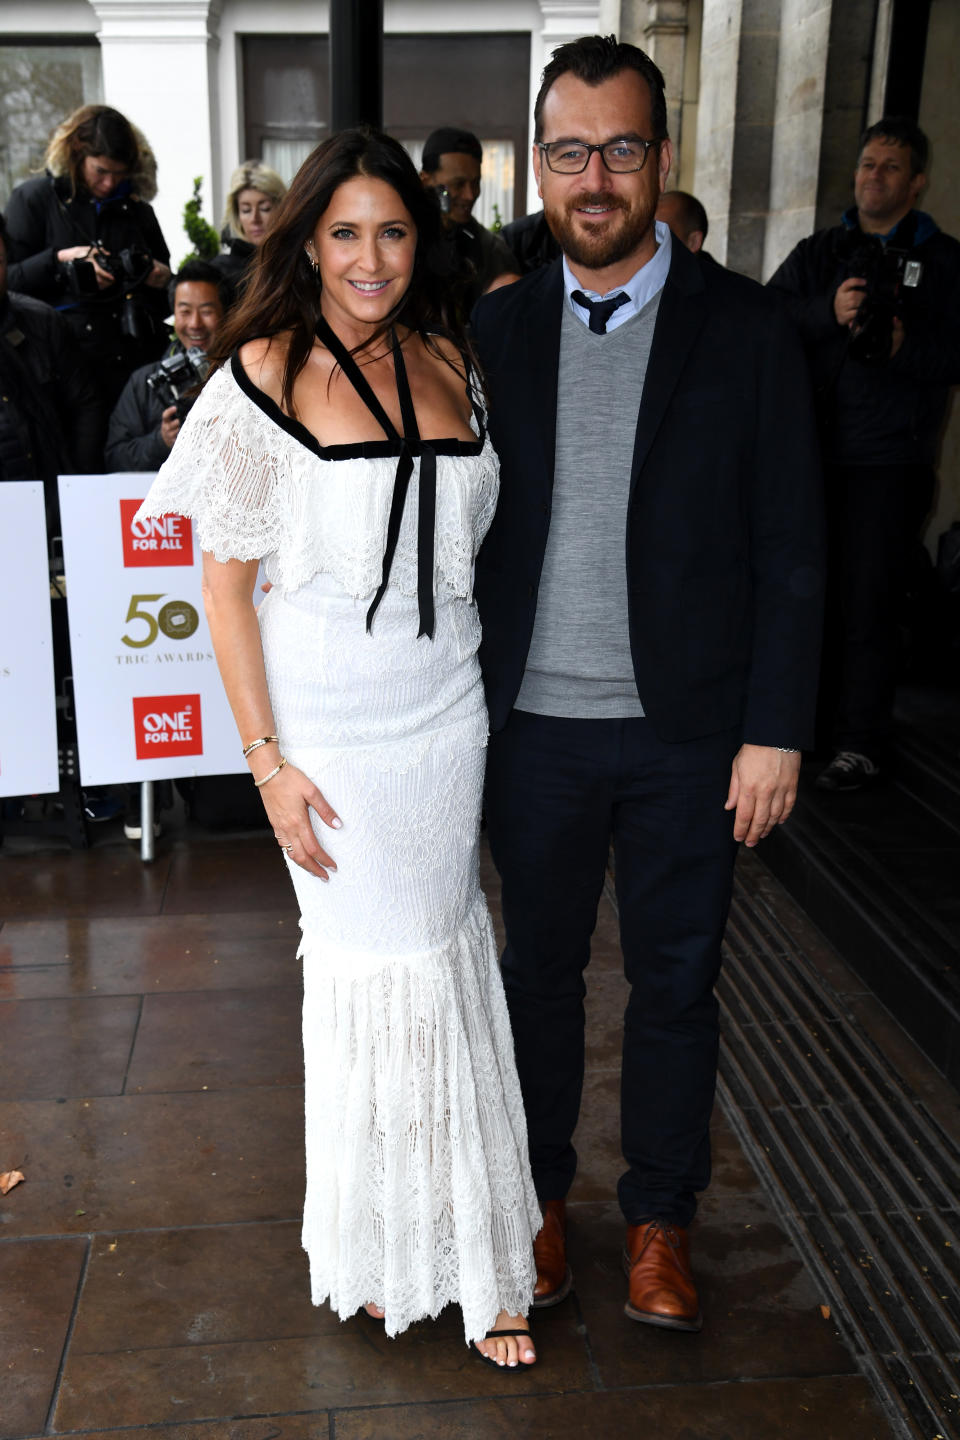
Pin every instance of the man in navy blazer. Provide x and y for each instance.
(650, 593)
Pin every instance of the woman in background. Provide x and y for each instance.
(251, 206)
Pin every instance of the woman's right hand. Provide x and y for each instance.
(86, 252)
(288, 799)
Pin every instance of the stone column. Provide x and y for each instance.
(561, 21)
(938, 117)
(660, 28)
(159, 69)
(717, 116)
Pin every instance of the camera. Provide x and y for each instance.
(132, 266)
(887, 272)
(176, 376)
(443, 198)
(80, 277)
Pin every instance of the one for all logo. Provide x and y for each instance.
(167, 540)
(167, 725)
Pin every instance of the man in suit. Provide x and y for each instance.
(650, 594)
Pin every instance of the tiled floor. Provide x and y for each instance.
(151, 1280)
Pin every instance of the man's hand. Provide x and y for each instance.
(898, 334)
(159, 275)
(169, 426)
(763, 788)
(848, 299)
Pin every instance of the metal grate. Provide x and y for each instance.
(862, 1177)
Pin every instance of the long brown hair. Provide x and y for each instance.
(283, 293)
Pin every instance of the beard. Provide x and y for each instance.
(597, 245)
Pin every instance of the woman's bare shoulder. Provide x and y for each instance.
(263, 360)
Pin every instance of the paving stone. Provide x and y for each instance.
(214, 1285)
(232, 875)
(275, 1427)
(138, 1161)
(38, 1282)
(842, 1408)
(356, 1364)
(41, 959)
(108, 881)
(66, 1047)
(219, 1040)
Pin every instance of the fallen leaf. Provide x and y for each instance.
(825, 1311)
(8, 1179)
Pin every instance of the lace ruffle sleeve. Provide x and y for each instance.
(222, 473)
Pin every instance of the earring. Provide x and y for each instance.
(312, 260)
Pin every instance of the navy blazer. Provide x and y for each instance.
(723, 547)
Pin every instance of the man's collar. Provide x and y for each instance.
(641, 287)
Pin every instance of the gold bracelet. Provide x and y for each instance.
(255, 744)
(275, 771)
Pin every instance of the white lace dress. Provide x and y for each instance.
(418, 1185)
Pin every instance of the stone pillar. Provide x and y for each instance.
(798, 126)
(717, 115)
(660, 28)
(938, 118)
(159, 69)
(561, 20)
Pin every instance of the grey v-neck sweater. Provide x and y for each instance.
(579, 663)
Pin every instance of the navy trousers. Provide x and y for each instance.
(559, 791)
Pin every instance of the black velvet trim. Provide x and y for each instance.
(363, 449)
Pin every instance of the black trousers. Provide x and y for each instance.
(558, 792)
(874, 513)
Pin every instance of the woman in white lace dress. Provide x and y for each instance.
(342, 442)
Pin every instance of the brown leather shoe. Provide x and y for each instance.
(554, 1278)
(662, 1290)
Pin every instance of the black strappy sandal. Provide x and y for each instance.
(495, 1335)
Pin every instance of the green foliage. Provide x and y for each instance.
(200, 233)
(497, 220)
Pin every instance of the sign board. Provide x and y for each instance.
(150, 705)
(28, 713)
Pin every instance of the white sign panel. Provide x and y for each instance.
(28, 714)
(150, 705)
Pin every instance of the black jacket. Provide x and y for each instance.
(133, 435)
(888, 413)
(42, 218)
(40, 364)
(49, 410)
(531, 240)
(723, 547)
(234, 263)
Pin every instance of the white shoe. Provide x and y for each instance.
(135, 832)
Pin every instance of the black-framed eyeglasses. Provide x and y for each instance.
(571, 157)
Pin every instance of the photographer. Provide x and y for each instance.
(155, 399)
(877, 302)
(49, 420)
(83, 238)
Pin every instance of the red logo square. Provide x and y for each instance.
(167, 725)
(165, 540)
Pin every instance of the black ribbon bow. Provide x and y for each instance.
(411, 446)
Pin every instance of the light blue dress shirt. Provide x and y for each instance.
(641, 287)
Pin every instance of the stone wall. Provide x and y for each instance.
(938, 117)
